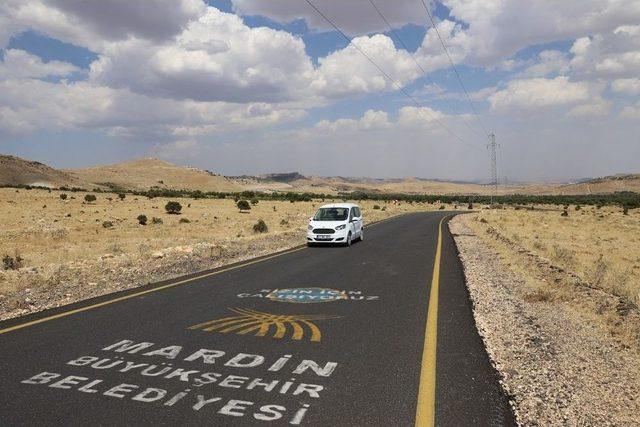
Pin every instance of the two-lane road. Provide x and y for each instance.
(315, 336)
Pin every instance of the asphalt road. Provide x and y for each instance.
(228, 349)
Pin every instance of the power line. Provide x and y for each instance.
(455, 70)
(388, 77)
(424, 72)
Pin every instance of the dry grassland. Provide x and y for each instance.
(69, 249)
(590, 258)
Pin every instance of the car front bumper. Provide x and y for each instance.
(340, 236)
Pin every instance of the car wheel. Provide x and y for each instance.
(348, 243)
(361, 238)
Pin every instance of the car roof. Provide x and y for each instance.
(339, 205)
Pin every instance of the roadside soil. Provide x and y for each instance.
(567, 350)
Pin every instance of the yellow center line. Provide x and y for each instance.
(159, 288)
(425, 411)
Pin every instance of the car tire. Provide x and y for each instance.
(348, 242)
(361, 238)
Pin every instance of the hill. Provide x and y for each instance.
(150, 172)
(17, 171)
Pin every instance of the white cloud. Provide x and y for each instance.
(353, 17)
(20, 64)
(626, 86)
(539, 93)
(347, 71)
(92, 23)
(548, 62)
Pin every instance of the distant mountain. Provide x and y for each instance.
(17, 171)
(148, 173)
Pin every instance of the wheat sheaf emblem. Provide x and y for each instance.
(266, 324)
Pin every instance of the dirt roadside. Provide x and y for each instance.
(560, 363)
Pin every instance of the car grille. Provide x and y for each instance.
(324, 230)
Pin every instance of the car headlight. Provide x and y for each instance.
(341, 227)
(309, 227)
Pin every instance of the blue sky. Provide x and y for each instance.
(205, 84)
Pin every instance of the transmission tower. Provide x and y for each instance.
(494, 167)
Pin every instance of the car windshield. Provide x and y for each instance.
(331, 214)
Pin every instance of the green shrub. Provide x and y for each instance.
(121, 196)
(470, 206)
(107, 224)
(578, 207)
(243, 205)
(142, 219)
(184, 221)
(254, 202)
(376, 207)
(442, 207)
(89, 198)
(260, 227)
(63, 196)
(173, 208)
(625, 210)
(156, 220)
(564, 213)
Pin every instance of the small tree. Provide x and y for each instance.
(63, 196)
(173, 208)
(121, 196)
(156, 220)
(142, 219)
(578, 207)
(243, 205)
(625, 210)
(89, 198)
(470, 206)
(260, 227)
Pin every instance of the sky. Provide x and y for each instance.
(254, 86)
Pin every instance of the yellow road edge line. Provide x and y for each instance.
(148, 291)
(159, 288)
(425, 410)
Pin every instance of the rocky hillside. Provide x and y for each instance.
(150, 172)
(17, 171)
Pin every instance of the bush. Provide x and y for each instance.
(184, 221)
(384, 208)
(121, 196)
(63, 196)
(564, 213)
(11, 263)
(142, 219)
(243, 205)
(260, 227)
(470, 206)
(107, 224)
(578, 207)
(254, 202)
(173, 208)
(625, 210)
(156, 220)
(89, 198)
(376, 207)
(442, 207)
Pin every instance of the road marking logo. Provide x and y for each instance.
(261, 324)
(306, 295)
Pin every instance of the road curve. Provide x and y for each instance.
(315, 336)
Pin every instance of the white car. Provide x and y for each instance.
(336, 223)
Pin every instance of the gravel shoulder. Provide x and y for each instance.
(560, 358)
